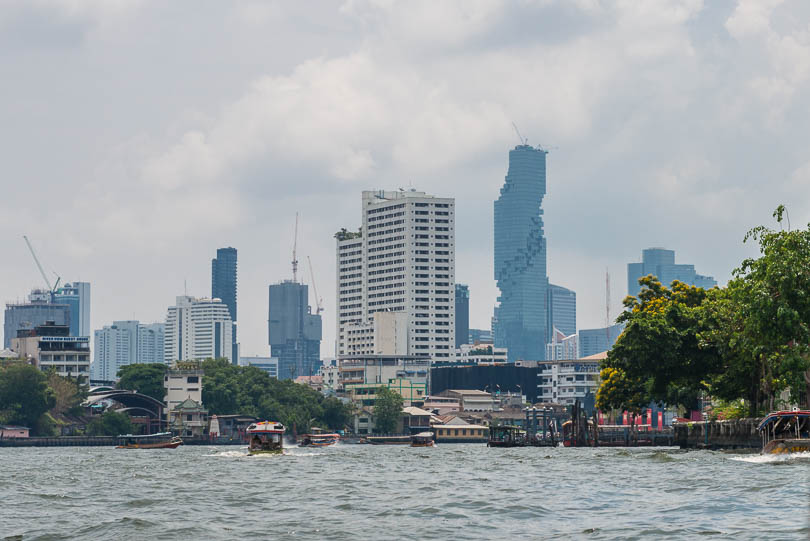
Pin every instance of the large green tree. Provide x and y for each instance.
(387, 410)
(110, 423)
(145, 378)
(24, 395)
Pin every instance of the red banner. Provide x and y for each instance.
(624, 418)
(660, 420)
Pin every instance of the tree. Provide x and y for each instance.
(387, 410)
(144, 378)
(110, 423)
(659, 356)
(68, 394)
(24, 395)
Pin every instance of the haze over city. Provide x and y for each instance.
(181, 128)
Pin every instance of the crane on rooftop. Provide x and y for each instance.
(318, 300)
(295, 251)
(51, 288)
(523, 140)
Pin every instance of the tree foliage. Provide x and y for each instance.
(387, 410)
(68, 394)
(24, 395)
(110, 423)
(248, 390)
(144, 378)
(749, 340)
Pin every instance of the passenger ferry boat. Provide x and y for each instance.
(423, 439)
(318, 438)
(163, 440)
(507, 436)
(785, 432)
(265, 438)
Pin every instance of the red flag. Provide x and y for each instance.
(660, 420)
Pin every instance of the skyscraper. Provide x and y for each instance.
(77, 296)
(294, 332)
(462, 314)
(197, 329)
(32, 314)
(223, 287)
(593, 341)
(402, 260)
(561, 310)
(660, 262)
(124, 343)
(520, 322)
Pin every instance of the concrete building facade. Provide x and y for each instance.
(197, 328)
(565, 381)
(520, 321)
(124, 343)
(562, 347)
(402, 260)
(51, 347)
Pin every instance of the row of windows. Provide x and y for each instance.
(385, 216)
(386, 208)
(387, 232)
(383, 256)
(386, 224)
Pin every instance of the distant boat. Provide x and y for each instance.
(265, 438)
(507, 436)
(318, 438)
(423, 439)
(163, 440)
(389, 440)
(785, 432)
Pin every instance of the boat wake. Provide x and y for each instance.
(773, 459)
(230, 454)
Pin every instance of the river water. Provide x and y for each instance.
(461, 491)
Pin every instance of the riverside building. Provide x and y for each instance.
(520, 322)
(51, 347)
(197, 328)
(402, 260)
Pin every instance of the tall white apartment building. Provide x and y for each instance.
(123, 343)
(401, 260)
(198, 328)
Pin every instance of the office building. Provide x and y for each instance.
(593, 341)
(223, 287)
(462, 314)
(27, 316)
(562, 347)
(197, 328)
(520, 322)
(480, 336)
(124, 343)
(561, 310)
(402, 260)
(77, 296)
(267, 364)
(566, 381)
(51, 347)
(660, 262)
(294, 332)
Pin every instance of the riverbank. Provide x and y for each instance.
(735, 434)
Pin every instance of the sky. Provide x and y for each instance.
(137, 137)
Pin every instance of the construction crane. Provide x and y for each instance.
(318, 300)
(51, 288)
(523, 140)
(295, 251)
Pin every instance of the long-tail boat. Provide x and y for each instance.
(785, 432)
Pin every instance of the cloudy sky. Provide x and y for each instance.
(137, 137)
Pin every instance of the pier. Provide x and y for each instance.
(736, 434)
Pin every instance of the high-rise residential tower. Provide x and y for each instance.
(660, 262)
(462, 314)
(197, 329)
(223, 287)
(401, 260)
(520, 322)
(294, 332)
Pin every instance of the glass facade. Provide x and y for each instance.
(661, 263)
(562, 310)
(223, 287)
(294, 332)
(520, 322)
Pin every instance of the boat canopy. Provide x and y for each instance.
(776, 416)
(270, 427)
(423, 435)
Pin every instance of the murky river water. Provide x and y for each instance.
(380, 492)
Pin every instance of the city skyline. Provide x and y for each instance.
(141, 191)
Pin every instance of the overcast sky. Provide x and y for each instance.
(138, 137)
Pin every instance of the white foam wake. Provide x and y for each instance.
(771, 459)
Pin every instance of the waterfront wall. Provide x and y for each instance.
(736, 434)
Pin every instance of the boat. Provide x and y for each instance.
(265, 438)
(507, 436)
(318, 438)
(423, 439)
(163, 440)
(785, 432)
(389, 440)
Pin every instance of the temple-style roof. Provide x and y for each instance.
(190, 405)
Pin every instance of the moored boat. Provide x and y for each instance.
(423, 439)
(507, 436)
(163, 440)
(266, 437)
(389, 440)
(785, 432)
(318, 438)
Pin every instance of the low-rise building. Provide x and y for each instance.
(472, 400)
(366, 394)
(313, 382)
(189, 418)
(566, 381)
(183, 381)
(480, 354)
(376, 369)
(416, 420)
(268, 364)
(330, 373)
(50, 346)
(11, 431)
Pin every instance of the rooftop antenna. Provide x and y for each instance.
(295, 251)
(523, 140)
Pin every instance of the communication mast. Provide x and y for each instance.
(295, 250)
